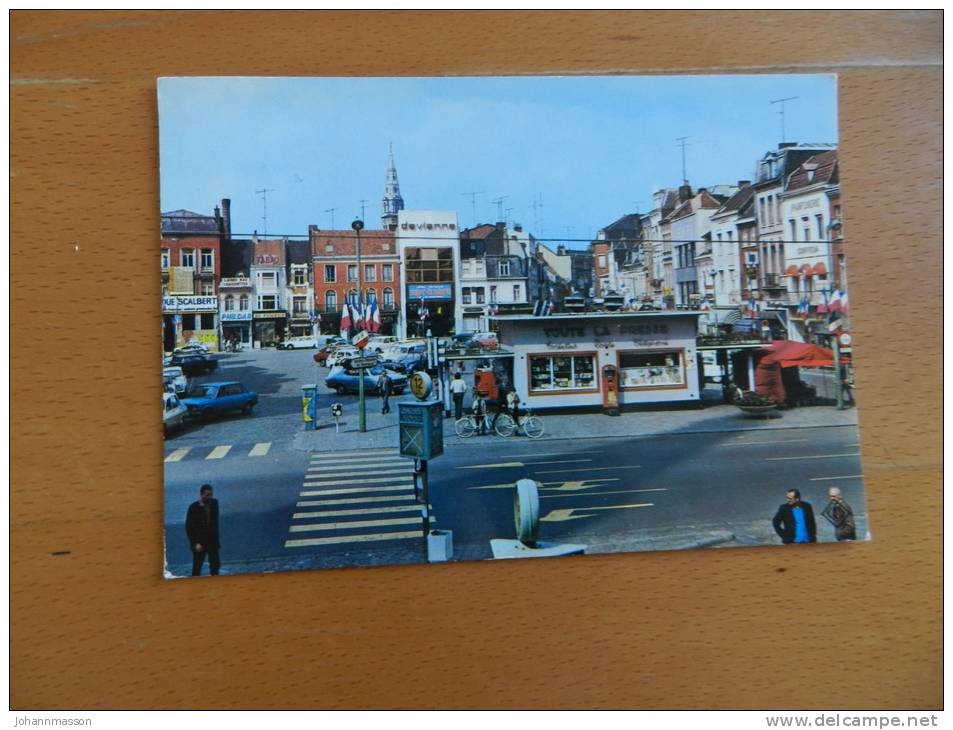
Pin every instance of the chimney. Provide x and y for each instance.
(743, 183)
(702, 190)
(684, 193)
(785, 145)
(561, 250)
(227, 217)
(518, 227)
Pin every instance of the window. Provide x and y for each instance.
(330, 273)
(562, 372)
(793, 225)
(771, 209)
(602, 261)
(207, 321)
(298, 274)
(819, 219)
(207, 261)
(299, 306)
(479, 267)
(267, 280)
(504, 268)
(429, 265)
(807, 228)
(388, 297)
(352, 272)
(164, 258)
(651, 369)
(764, 220)
(369, 294)
(329, 248)
(370, 272)
(229, 303)
(208, 290)
(330, 301)
(243, 302)
(268, 301)
(480, 297)
(516, 292)
(466, 295)
(188, 257)
(387, 272)
(493, 294)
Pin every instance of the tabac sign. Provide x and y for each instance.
(270, 253)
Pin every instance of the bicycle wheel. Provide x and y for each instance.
(465, 427)
(504, 425)
(532, 427)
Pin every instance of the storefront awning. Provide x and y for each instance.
(792, 270)
(820, 269)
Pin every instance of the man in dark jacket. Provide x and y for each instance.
(201, 525)
(794, 521)
(384, 387)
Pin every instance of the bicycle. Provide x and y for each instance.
(529, 424)
(470, 426)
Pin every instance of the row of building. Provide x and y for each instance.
(774, 246)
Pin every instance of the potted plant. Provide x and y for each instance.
(754, 404)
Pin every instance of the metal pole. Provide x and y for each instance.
(838, 383)
(362, 415)
(425, 496)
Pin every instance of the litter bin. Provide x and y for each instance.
(309, 405)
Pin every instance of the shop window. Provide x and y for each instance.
(208, 321)
(561, 372)
(651, 369)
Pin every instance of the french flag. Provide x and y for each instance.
(345, 319)
(843, 303)
(823, 307)
(360, 313)
(373, 320)
(835, 303)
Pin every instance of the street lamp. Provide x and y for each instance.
(358, 226)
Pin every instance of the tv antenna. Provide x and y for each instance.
(363, 205)
(537, 206)
(683, 144)
(499, 206)
(507, 219)
(473, 202)
(781, 102)
(264, 204)
(331, 211)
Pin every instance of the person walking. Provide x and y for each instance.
(458, 389)
(201, 526)
(794, 521)
(513, 406)
(384, 387)
(840, 515)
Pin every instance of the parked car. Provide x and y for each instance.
(341, 355)
(298, 343)
(210, 399)
(344, 380)
(174, 378)
(408, 364)
(193, 363)
(192, 347)
(485, 339)
(379, 343)
(322, 355)
(174, 412)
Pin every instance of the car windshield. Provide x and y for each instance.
(204, 391)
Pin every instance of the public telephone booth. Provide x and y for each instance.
(610, 390)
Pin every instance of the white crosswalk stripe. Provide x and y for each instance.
(177, 455)
(356, 497)
(219, 452)
(260, 449)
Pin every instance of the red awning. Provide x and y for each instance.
(820, 269)
(792, 270)
(806, 269)
(789, 354)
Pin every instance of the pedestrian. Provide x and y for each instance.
(794, 521)
(479, 411)
(840, 515)
(513, 406)
(201, 526)
(847, 396)
(384, 387)
(458, 388)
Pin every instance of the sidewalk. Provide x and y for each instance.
(382, 430)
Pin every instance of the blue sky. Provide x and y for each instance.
(591, 149)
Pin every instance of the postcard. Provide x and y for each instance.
(426, 320)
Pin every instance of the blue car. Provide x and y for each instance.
(215, 399)
(345, 380)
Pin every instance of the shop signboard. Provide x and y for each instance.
(430, 291)
(190, 304)
(236, 316)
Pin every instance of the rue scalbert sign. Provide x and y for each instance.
(189, 303)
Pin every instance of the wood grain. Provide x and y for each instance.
(745, 628)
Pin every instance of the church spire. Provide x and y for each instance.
(392, 202)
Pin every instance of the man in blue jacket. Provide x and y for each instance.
(794, 521)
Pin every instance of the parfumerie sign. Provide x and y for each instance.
(189, 304)
(604, 330)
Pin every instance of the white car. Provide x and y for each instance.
(379, 343)
(173, 415)
(340, 355)
(174, 377)
(298, 343)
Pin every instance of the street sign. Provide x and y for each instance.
(845, 340)
(364, 362)
(361, 339)
(421, 385)
(420, 429)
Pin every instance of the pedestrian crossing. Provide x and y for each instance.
(357, 498)
(221, 451)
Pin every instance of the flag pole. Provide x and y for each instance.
(362, 412)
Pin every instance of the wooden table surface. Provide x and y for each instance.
(838, 626)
